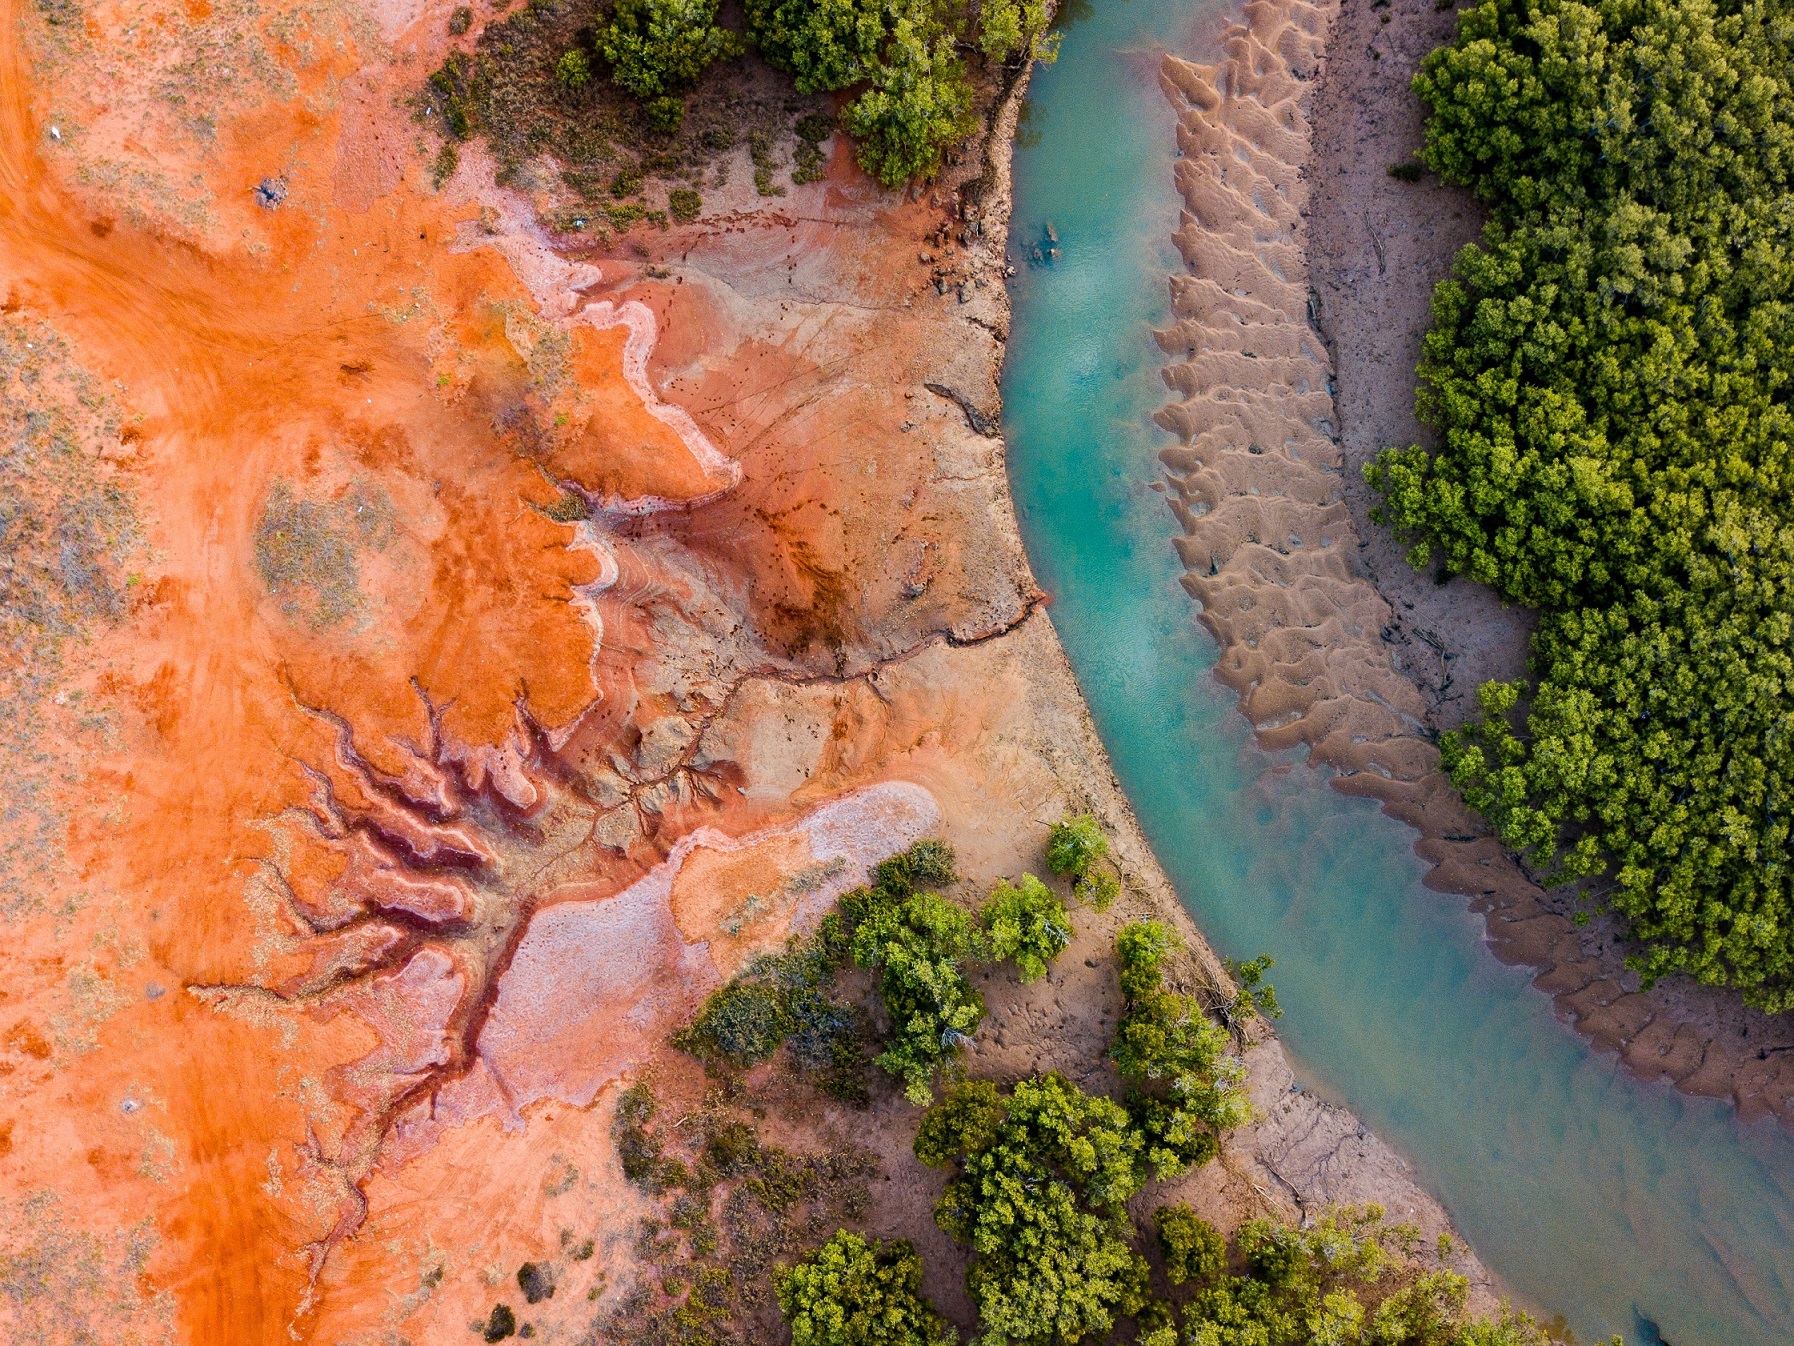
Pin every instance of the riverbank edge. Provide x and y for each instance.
(1301, 1153)
(1330, 640)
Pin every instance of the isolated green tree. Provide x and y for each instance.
(858, 1292)
(1027, 923)
(1041, 1182)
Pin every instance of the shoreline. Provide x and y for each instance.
(1297, 325)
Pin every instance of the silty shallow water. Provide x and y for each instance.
(1614, 1204)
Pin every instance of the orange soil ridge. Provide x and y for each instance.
(489, 651)
(1272, 544)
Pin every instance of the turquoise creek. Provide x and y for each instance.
(1616, 1205)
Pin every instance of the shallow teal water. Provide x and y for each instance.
(1594, 1197)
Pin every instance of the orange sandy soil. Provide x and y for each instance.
(440, 635)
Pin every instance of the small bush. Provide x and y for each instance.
(1075, 845)
(684, 204)
(1188, 1090)
(638, 1150)
(742, 1024)
(813, 128)
(1098, 889)
(665, 114)
(807, 164)
(1192, 1248)
(784, 998)
(852, 1292)
(1255, 994)
(500, 1323)
(927, 864)
(627, 182)
(574, 69)
(1027, 923)
(460, 20)
(536, 1281)
(731, 1147)
(918, 943)
(448, 159)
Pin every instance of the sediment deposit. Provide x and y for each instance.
(437, 661)
(1291, 358)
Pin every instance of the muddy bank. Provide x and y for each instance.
(1310, 271)
(501, 645)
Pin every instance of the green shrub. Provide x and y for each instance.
(1041, 1184)
(927, 864)
(638, 1150)
(448, 159)
(574, 69)
(1188, 1089)
(1192, 1248)
(824, 44)
(1347, 1279)
(499, 1324)
(1010, 28)
(1028, 924)
(852, 1292)
(1076, 846)
(665, 114)
(657, 46)
(460, 20)
(1098, 889)
(743, 1023)
(1608, 372)
(919, 106)
(684, 204)
(1255, 995)
(918, 943)
(784, 998)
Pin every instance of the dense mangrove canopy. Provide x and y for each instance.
(1609, 371)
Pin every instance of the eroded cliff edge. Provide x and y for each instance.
(489, 649)
(1298, 324)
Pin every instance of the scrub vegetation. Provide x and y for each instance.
(662, 82)
(1040, 1171)
(1609, 370)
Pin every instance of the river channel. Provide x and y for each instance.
(1619, 1207)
